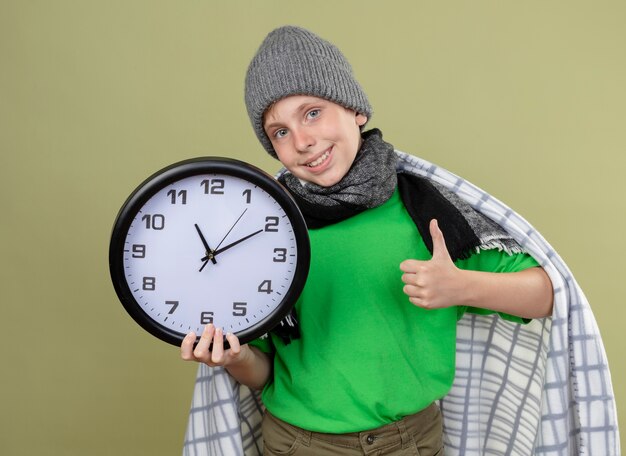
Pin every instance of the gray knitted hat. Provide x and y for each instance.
(295, 61)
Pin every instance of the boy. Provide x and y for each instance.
(377, 346)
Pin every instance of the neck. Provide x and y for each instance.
(370, 182)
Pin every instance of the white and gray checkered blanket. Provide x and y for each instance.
(537, 389)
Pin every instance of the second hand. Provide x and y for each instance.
(231, 228)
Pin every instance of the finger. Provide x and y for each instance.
(186, 347)
(412, 291)
(201, 351)
(217, 354)
(409, 278)
(410, 266)
(440, 250)
(233, 341)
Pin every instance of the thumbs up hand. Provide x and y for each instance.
(435, 283)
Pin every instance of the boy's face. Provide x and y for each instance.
(315, 139)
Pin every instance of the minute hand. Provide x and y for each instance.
(233, 244)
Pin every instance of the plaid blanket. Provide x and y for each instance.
(537, 389)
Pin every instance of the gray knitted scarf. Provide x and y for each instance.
(369, 183)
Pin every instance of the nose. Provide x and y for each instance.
(303, 139)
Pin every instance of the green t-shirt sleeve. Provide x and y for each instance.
(495, 260)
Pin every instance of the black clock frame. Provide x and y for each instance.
(194, 167)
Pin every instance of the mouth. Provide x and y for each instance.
(319, 160)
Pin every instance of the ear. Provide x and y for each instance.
(361, 119)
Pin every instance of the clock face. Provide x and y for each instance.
(209, 241)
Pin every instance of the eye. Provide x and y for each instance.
(280, 133)
(313, 113)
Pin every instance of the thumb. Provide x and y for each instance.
(440, 250)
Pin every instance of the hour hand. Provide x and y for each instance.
(231, 245)
(210, 254)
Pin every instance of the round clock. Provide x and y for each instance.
(209, 240)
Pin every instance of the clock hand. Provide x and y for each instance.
(231, 228)
(232, 244)
(210, 254)
(204, 264)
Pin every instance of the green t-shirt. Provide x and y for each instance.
(367, 356)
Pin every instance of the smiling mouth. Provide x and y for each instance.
(319, 160)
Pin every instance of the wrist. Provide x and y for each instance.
(469, 288)
(253, 369)
(245, 357)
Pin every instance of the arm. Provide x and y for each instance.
(527, 294)
(248, 365)
(439, 283)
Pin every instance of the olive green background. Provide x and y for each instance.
(525, 99)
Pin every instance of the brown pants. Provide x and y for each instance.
(416, 435)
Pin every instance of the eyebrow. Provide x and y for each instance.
(302, 107)
(269, 126)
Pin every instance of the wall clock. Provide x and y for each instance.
(209, 240)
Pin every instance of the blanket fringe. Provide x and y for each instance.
(507, 245)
